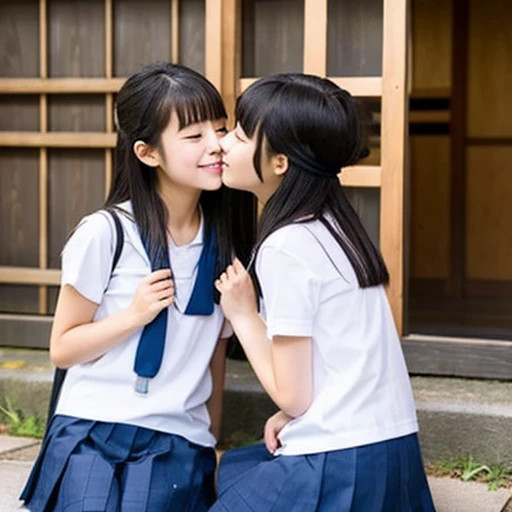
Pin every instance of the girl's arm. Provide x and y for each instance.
(76, 338)
(215, 402)
(284, 365)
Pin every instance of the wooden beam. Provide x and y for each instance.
(60, 85)
(361, 176)
(28, 275)
(109, 97)
(175, 31)
(315, 37)
(231, 53)
(58, 139)
(393, 150)
(370, 86)
(43, 154)
(365, 86)
(213, 42)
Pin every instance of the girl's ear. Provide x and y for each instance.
(279, 164)
(146, 154)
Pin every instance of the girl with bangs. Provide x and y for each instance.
(324, 346)
(144, 341)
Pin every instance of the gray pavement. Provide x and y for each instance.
(450, 495)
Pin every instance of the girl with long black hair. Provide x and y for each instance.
(324, 345)
(144, 344)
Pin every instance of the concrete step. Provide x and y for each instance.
(457, 417)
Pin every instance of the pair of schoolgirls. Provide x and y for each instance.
(144, 342)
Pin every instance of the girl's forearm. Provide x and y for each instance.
(252, 334)
(90, 341)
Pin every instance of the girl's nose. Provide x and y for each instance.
(226, 142)
(214, 142)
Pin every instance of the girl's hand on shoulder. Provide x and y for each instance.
(237, 291)
(154, 293)
(273, 426)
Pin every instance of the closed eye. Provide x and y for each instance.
(194, 136)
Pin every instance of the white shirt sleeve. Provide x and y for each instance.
(87, 257)
(290, 292)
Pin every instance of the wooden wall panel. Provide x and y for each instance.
(192, 34)
(366, 202)
(19, 186)
(142, 34)
(19, 113)
(430, 207)
(431, 46)
(490, 69)
(76, 38)
(19, 39)
(17, 298)
(53, 295)
(489, 193)
(77, 113)
(273, 37)
(354, 37)
(81, 174)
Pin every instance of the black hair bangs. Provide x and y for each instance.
(193, 102)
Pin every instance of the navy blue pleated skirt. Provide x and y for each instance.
(380, 477)
(91, 466)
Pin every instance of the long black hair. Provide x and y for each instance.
(144, 106)
(316, 125)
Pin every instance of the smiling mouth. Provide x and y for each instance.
(215, 168)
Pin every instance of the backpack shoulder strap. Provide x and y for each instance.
(119, 237)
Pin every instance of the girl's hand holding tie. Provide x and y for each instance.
(154, 293)
(238, 298)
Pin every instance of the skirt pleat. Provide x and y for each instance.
(103, 467)
(382, 477)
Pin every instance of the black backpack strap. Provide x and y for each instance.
(119, 238)
(60, 373)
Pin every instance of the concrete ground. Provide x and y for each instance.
(450, 495)
(457, 417)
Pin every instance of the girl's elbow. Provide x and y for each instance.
(295, 406)
(58, 358)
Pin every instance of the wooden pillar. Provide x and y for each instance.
(43, 156)
(394, 135)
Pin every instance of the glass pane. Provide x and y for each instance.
(366, 202)
(76, 113)
(19, 39)
(19, 113)
(76, 187)
(142, 34)
(192, 34)
(273, 37)
(19, 207)
(76, 38)
(354, 37)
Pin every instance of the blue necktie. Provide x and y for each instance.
(150, 350)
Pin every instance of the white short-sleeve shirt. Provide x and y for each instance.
(361, 388)
(104, 389)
